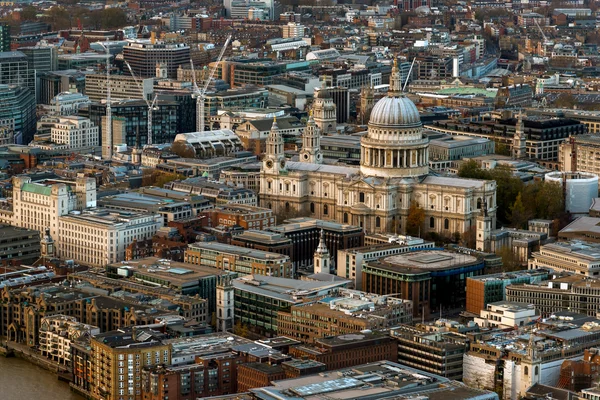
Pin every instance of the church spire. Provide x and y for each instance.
(322, 258)
(311, 142)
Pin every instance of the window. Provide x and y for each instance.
(345, 218)
(325, 209)
(312, 208)
(432, 222)
(446, 224)
(479, 204)
(378, 222)
(361, 197)
(287, 206)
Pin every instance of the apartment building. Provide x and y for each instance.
(75, 132)
(345, 312)
(97, 237)
(57, 332)
(122, 87)
(244, 261)
(118, 358)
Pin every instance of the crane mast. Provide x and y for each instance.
(151, 106)
(200, 93)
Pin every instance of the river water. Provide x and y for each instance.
(21, 380)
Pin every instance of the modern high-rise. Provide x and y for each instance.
(5, 37)
(15, 70)
(143, 55)
(18, 103)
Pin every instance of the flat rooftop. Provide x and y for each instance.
(428, 260)
(297, 224)
(237, 250)
(177, 273)
(290, 290)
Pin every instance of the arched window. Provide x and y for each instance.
(537, 370)
(378, 222)
(526, 370)
(446, 224)
(312, 208)
(287, 206)
(325, 209)
(269, 206)
(432, 222)
(345, 218)
(479, 204)
(228, 313)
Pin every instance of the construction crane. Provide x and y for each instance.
(109, 137)
(546, 41)
(151, 105)
(200, 94)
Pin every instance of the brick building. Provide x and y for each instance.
(345, 351)
(248, 217)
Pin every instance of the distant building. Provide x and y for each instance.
(485, 289)
(240, 260)
(122, 87)
(65, 104)
(18, 104)
(57, 332)
(506, 315)
(342, 313)
(143, 55)
(75, 132)
(581, 258)
(259, 298)
(216, 193)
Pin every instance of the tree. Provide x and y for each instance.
(469, 237)
(113, 18)
(183, 149)
(59, 18)
(565, 100)
(29, 13)
(241, 329)
(510, 261)
(415, 219)
(518, 214)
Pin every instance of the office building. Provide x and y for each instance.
(183, 278)
(39, 205)
(18, 104)
(305, 234)
(437, 349)
(168, 208)
(506, 315)
(571, 292)
(258, 299)
(42, 57)
(15, 70)
(5, 38)
(432, 279)
(576, 257)
(143, 55)
(341, 313)
(378, 380)
(120, 356)
(97, 237)
(265, 241)
(238, 259)
(451, 148)
(80, 61)
(75, 132)
(245, 216)
(217, 193)
(65, 104)
(543, 135)
(57, 332)
(51, 84)
(18, 245)
(343, 351)
(122, 87)
(134, 123)
(485, 289)
(350, 261)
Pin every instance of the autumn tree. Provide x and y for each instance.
(29, 13)
(510, 261)
(183, 149)
(518, 213)
(415, 219)
(565, 100)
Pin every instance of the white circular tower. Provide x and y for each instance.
(581, 188)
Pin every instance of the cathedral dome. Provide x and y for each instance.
(395, 111)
